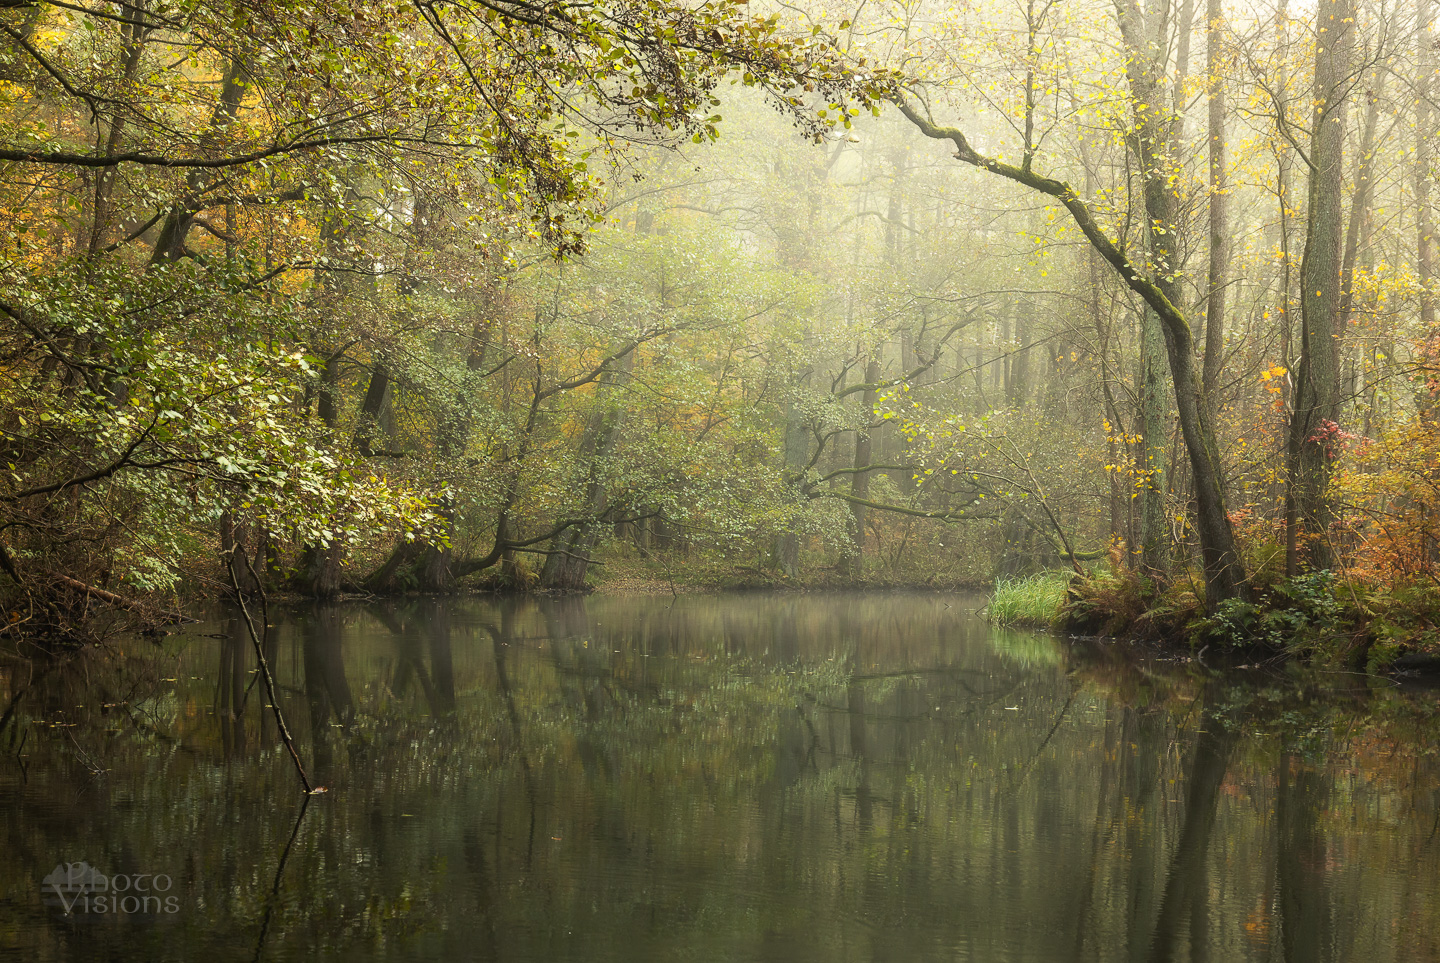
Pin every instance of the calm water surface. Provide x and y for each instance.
(750, 777)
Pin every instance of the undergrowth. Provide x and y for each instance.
(1322, 617)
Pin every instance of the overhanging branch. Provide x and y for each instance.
(1065, 194)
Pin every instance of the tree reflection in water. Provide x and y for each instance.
(752, 777)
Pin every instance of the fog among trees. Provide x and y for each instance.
(393, 297)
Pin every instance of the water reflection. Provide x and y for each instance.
(748, 777)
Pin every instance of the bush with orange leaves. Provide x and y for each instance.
(1387, 489)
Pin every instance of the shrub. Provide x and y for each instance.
(1294, 614)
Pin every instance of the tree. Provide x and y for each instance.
(1314, 425)
(1224, 569)
(238, 180)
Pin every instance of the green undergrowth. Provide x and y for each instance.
(1403, 622)
(1125, 605)
(1320, 617)
(1034, 600)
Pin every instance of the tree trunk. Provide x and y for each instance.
(1219, 233)
(1314, 430)
(1284, 160)
(1424, 135)
(797, 447)
(132, 42)
(565, 568)
(372, 409)
(234, 552)
(1017, 387)
(435, 571)
(1224, 571)
(1360, 205)
(319, 573)
(1155, 143)
(853, 562)
(170, 244)
(1150, 463)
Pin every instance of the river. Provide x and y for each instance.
(827, 777)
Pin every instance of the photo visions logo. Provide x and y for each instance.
(81, 889)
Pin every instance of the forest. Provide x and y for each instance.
(530, 295)
(575, 480)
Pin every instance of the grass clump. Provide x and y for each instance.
(1034, 600)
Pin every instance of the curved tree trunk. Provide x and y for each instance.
(1155, 144)
(1225, 575)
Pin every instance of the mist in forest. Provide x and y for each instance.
(389, 298)
(316, 317)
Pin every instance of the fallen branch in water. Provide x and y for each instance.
(265, 671)
(110, 598)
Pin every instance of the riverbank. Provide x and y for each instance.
(78, 614)
(1320, 617)
(636, 575)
